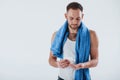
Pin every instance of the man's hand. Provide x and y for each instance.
(63, 63)
(77, 66)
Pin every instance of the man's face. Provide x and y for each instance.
(74, 17)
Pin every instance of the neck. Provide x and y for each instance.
(72, 34)
(74, 31)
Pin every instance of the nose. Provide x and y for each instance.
(74, 21)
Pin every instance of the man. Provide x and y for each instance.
(73, 43)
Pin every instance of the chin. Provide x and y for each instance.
(74, 27)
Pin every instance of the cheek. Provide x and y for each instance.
(79, 23)
(69, 22)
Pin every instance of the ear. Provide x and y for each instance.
(82, 15)
(65, 15)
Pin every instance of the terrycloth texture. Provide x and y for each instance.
(82, 47)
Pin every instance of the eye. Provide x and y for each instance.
(71, 18)
(78, 19)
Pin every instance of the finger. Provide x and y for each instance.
(61, 63)
(66, 60)
(79, 65)
(64, 63)
(73, 66)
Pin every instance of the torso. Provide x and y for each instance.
(68, 53)
(63, 72)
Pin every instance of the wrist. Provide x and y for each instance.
(58, 65)
(83, 65)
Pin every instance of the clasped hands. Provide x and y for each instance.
(65, 63)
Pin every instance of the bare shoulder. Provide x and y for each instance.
(94, 38)
(92, 33)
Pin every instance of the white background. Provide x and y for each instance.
(26, 27)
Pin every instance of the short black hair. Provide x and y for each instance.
(74, 5)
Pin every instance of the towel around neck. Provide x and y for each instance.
(82, 47)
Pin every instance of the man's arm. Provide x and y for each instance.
(53, 60)
(93, 53)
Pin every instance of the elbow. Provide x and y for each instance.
(95, 63)
(49, 61)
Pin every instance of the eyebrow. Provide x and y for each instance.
(73, 17)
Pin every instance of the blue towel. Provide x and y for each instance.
(82, 47)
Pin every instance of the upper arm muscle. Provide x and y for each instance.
(94, 45)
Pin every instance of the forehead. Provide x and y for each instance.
(74, 12)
